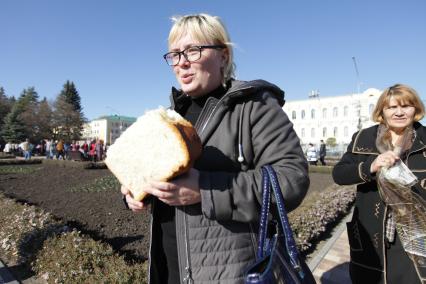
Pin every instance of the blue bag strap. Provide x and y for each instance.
(263, 226)
(285, 225)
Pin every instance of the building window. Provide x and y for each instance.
(345, 131)
(370, 109)
(324, 113)
(312, 113)
(335, 112)
(345, 111)
(324, 132)
(303, 114)
(293, 114)
(303, 132)
(312, 132)
(335, 132)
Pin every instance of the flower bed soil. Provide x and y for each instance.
(97, 212)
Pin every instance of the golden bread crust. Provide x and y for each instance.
(176, 155)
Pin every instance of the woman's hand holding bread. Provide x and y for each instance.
(133, 204)
(182, 190)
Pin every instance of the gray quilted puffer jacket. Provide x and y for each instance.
(242, 131)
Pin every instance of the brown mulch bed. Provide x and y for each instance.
(99, 214)
(102, 214)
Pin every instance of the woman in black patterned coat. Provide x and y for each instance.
(377, 255)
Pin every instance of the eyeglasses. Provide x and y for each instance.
(191, 54)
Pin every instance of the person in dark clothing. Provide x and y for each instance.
(378, 232)
(322, 152)
(205, 222)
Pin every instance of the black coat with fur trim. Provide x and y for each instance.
(374, 260)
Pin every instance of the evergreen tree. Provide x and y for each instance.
(71, 96)
(5, 107)
(22, 120)
(44, 120)
(13, 128)
(27, 107)
(68, 114)
(68, 123)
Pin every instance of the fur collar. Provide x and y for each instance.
(365, 140)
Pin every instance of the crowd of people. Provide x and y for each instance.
(92, 150)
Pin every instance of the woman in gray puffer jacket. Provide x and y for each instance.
(204, 223)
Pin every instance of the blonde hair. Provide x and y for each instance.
(403, 95)
(206, 29)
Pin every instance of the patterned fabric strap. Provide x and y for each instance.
(285, 225)
(390, 226)
(266, 198)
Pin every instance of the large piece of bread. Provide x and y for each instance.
(160, 145)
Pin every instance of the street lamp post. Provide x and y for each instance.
(358, 83)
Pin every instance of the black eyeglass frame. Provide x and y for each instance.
(200, 47)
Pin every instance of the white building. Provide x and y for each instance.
(319, 118)
(107, 128)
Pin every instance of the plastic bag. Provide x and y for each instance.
(399, 174)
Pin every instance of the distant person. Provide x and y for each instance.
(26, 149)
(48, 149)
(99, 149)
(92, 150)
(85, 150)
(322, 152)
(67, 149)
(311, 154)
(60, 153)
(8, 147)
(53, 149)
(386, 209)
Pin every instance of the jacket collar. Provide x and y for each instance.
(420, 141)
(237, 90)
(364, 143)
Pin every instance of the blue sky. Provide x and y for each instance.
(112, 50)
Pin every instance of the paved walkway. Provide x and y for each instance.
(334, 266)
(330, 265)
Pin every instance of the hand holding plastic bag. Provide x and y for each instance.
(399, 174)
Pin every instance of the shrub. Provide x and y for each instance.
(75, 258)
(313, 218)
(95, 165)
(33, 239)
(76, 164)
(19, 162)
(23, 230)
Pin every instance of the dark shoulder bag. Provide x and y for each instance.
(278, 259)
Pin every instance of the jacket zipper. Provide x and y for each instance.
(188, 272)
(150, 237)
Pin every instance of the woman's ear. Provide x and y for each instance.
(224, 57)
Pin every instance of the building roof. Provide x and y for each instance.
(367, 93)
(117, 118)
